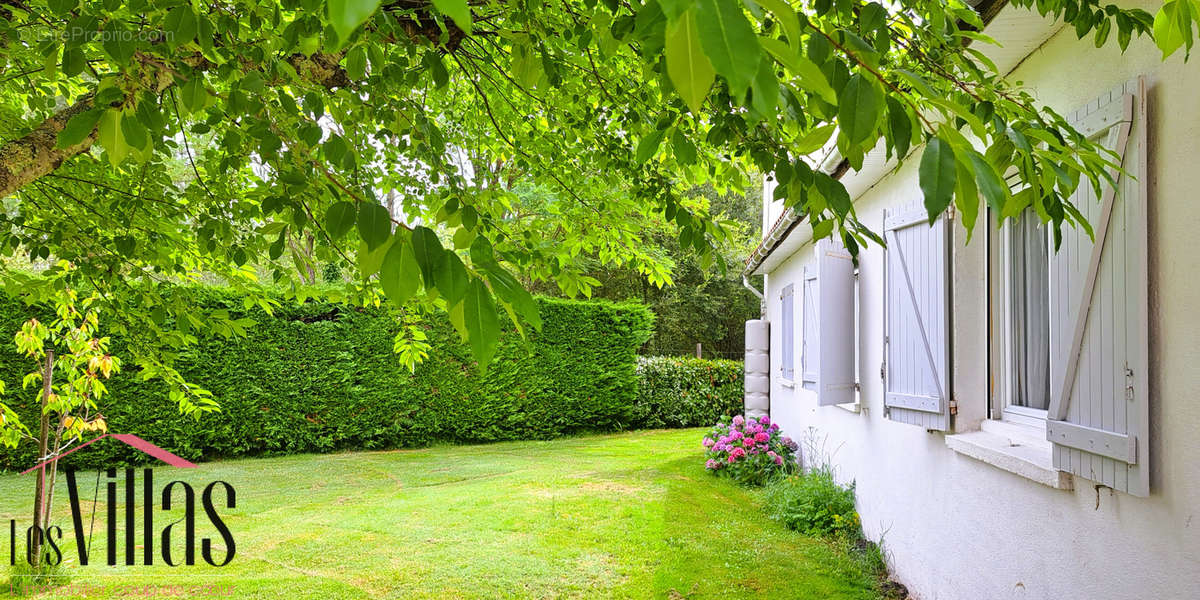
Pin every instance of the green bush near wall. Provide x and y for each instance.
(319, 377)
(686, 392)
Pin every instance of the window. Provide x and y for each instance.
(1021, 312)
(828, 365)
(787, 360)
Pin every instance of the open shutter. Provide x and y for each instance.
(1099, 411)
(835, 305)
(810, 332)
(917, 319)
(787, 317)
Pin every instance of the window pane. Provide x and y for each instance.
(1029, 297)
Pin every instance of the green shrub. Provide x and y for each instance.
(813, 503)
(318, 377)
(686, 392)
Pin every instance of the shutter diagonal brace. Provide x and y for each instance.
(1060, 403)
(917, 312)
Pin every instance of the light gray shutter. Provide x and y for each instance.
(917, 319)
(810, 331)
(835, 305)
(787, 317)
(1099, 402)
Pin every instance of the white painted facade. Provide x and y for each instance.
(957, 527)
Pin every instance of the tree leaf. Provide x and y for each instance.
(899, 127)
(457, 10)
(369, 261)
(452, 278)
(729, 42)
(812, 79)
(180, 26)
(834, 192)
(73, 62)
(814, 140)
(399, 275)
(1173, 27)
(374, 224)
(194, 95)
(648, 145)
(510, 290)
(346, 15)
(990, 183)
(765, 90)
(79, 128)
(110, 137)
(428, 252)
(966, 195)
(787, 18)
(482, 323)
(859, 107)
(938, 177)
(822, 229)
(690, 70)
(339, 219)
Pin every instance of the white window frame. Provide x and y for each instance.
(1001, 328)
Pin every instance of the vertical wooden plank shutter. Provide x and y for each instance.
(810, 331)
(917, 319)
(836, 381)
(1098, 418)
(787, 360)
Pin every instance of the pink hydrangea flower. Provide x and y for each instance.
(708, 442)
(739, 420)
(735, 436)
(765, 420)
(748, 442)
(762, 437)
(737, 453)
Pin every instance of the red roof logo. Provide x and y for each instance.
(132, 441)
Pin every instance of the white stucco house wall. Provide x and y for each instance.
(1018, 423)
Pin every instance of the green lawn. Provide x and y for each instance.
(618, 516)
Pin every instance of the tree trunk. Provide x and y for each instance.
(39, 498)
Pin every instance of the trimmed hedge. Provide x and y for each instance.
(319, 377)
(686, 392)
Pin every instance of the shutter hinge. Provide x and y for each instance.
(954, 407)
(882, 371)
(1128, 384)
(951, 212)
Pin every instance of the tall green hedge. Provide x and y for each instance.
(318, 377)
(686, 392)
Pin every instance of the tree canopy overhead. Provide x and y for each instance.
(150, 141)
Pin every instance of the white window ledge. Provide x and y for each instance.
(1019, 449)
(854, 407)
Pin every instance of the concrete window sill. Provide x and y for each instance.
(854, 407)
(1019, 449)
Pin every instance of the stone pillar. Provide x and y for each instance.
(758, 368)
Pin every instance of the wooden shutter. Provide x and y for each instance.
(787, 360)
(1099, 402)
(836, 382)
(810, 332)
(917, 319)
